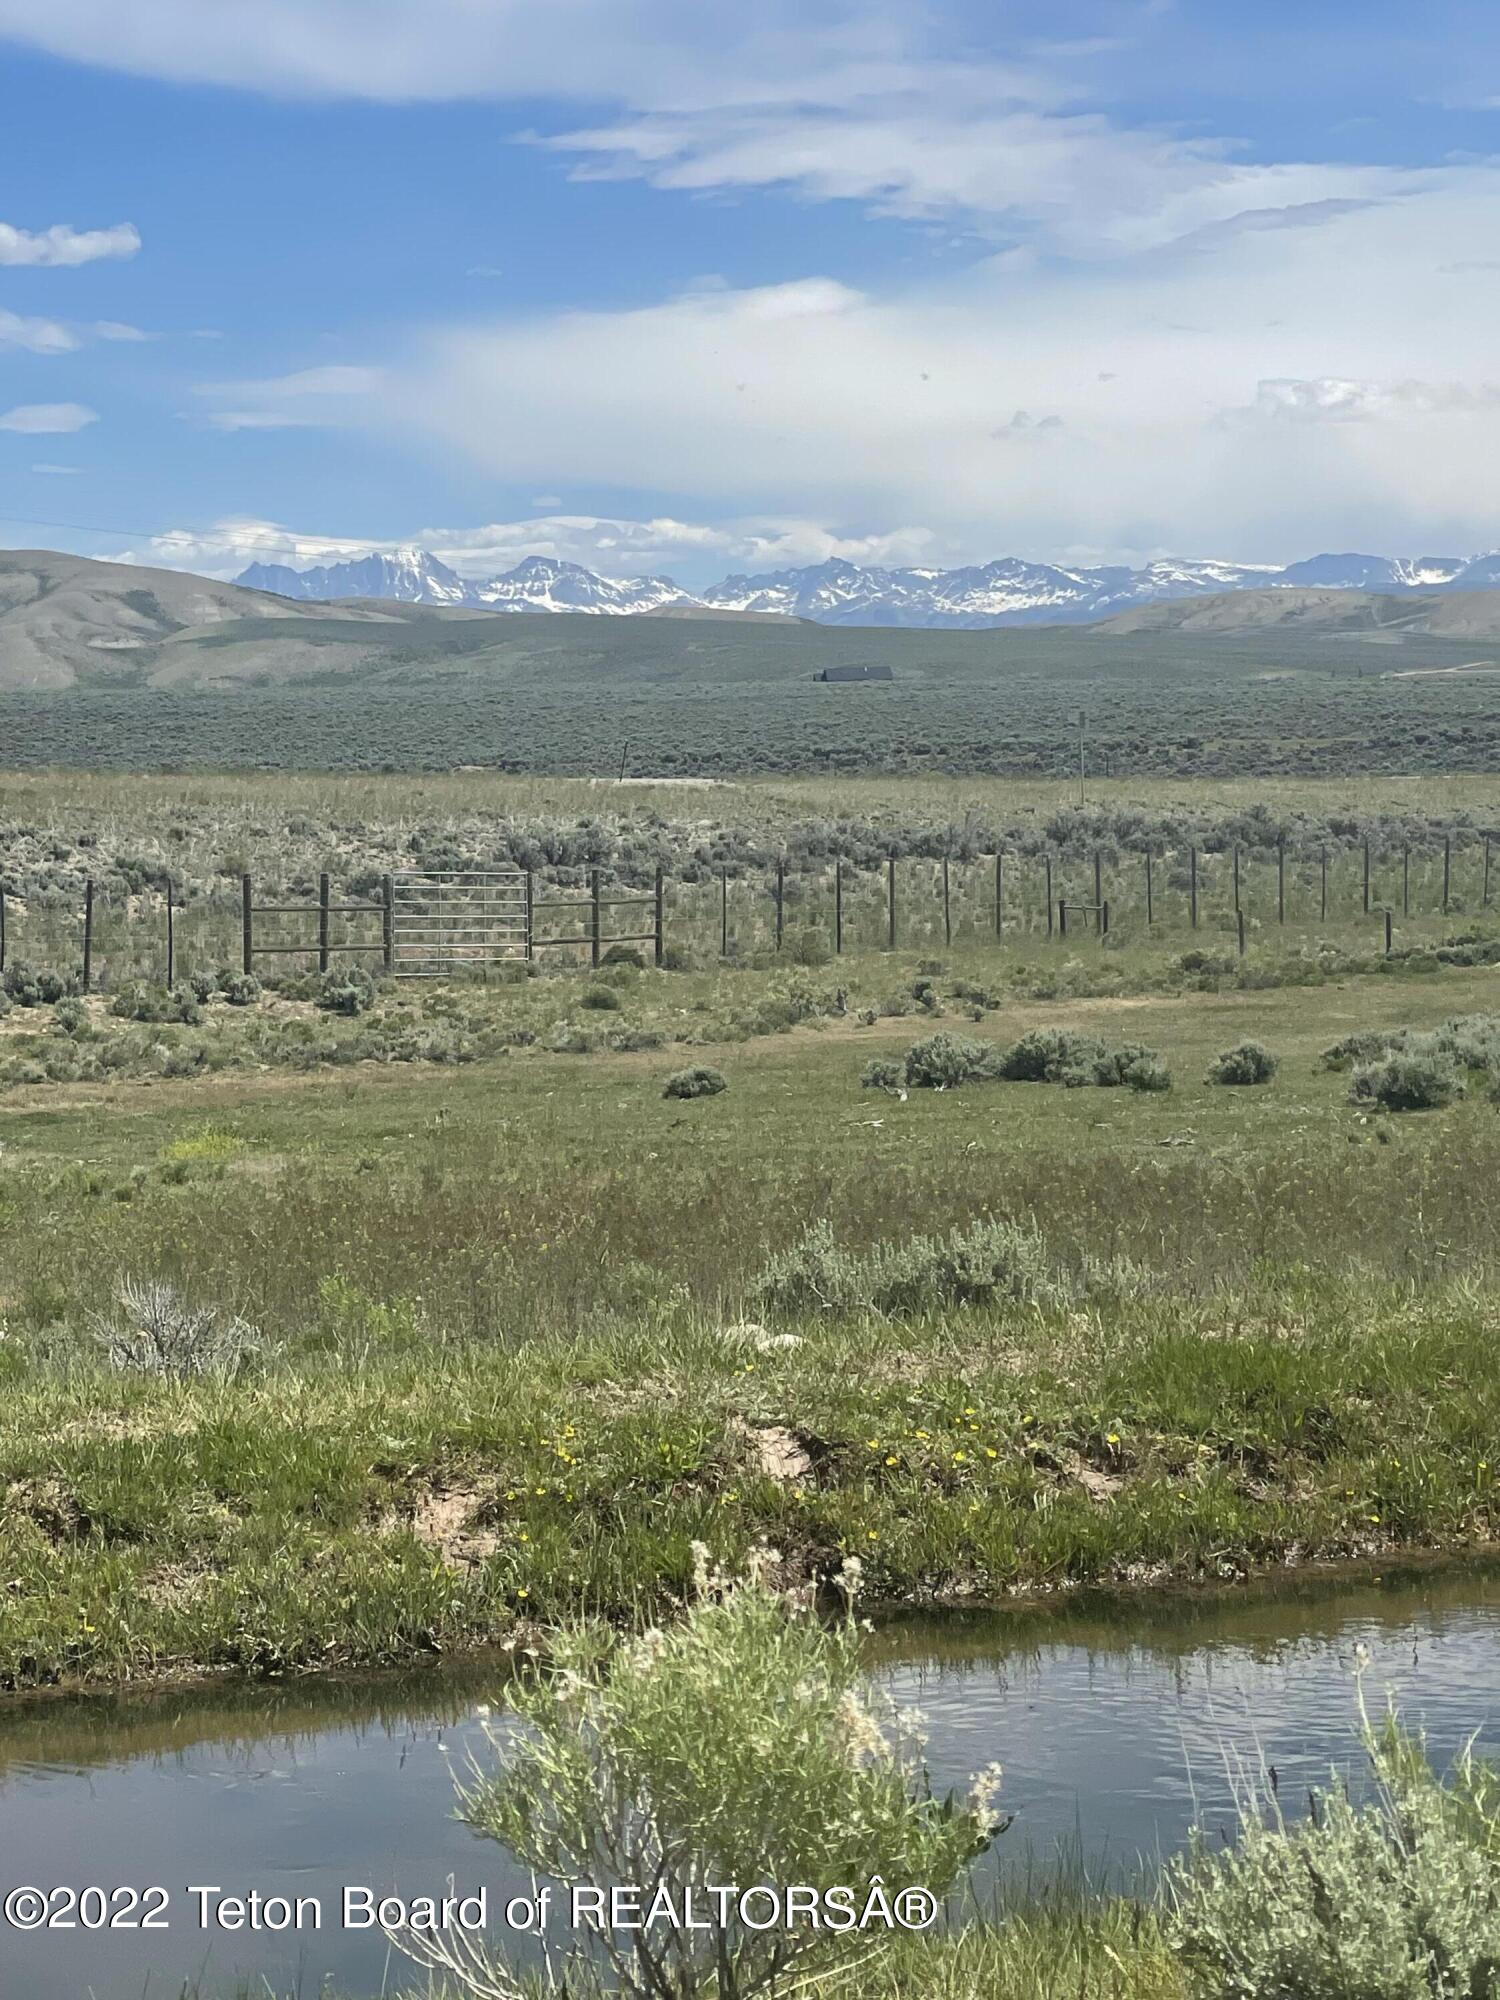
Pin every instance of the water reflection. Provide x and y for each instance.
(1115, 1724)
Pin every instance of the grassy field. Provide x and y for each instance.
(512, 1361)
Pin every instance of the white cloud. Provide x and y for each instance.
(62, 245)
(56, 471)
(42, 419)
(115, 329)
(319, 397)
(40, 336)
(815, 401)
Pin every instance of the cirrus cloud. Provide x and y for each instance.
(48, 419)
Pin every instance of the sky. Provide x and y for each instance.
(683, 287)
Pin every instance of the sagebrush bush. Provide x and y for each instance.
(1394, 1899)
(882, 1074)
(157, 1332)
(944, 1061)
(36, 986)
(600, 999)
(240, 989)
(1149, 1075)
(992, 1259)
(1246, 1063)
(699, 1081)
(742, 1744)
(1403, 1082)
(345, 990)
(142, 1002)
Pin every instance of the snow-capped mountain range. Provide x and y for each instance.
(1006, 592)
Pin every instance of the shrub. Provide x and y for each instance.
(1406, 1083)
(70, 1016)
(600, 999)
(945, 1061)
(343, 990)
(699, 1081)
(807, 946)
(883, 1074)
(1052, 1055)
(1394, 1899)
(141, 1002)
(158, 1333)
(623, 954)
(740, 1745)
(240, 989)
(992, 1259)
(201, 986)
(23, 983)
(1246, 1063)
(1148, 1074)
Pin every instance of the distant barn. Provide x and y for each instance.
(879, 672)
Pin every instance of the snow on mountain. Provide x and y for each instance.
(410, 576)
(1008, 591)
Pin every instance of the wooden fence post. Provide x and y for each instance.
(1193, 885)
(171, 942)
(1098, 879)
(1150, 901)
(1236, 878)
(1049, 895)
(324, 889)
(723, 913)
(1447, 869)
(1281, 881)
(388, 921)
(1389, 933)
(947, 907)
(1000, 896)
(660, 926)
(1104, 919)
(596, 913)
(2, 928)
(1486, 896)
(1239, 924)
(1323, 870)
(247, 924)
(1062, 919)
(1406, 881)
(780, 902)
(1367, 878)
(890, 898)
(838, 906)
(88, 935)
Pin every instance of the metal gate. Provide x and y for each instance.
(443, 923)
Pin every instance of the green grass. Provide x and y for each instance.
(501, 1378)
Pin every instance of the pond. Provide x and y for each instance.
(1118, 1724)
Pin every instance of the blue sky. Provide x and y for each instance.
(663, 285)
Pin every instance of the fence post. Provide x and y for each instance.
(1367, 878)
(88, 935)
(171, 942)
(1486, 896)
(1323, 869)
(1239, 924)
(1098, 879)
(780, 901)
(247, 923)
(838, 906)
(1193, 885)
(1062, 919)
(1150, 903)
(1236, 878)
(1104, 919)
(596, 926)
(1049, 895)
(324, 888)
(1389, 931)
(723, 913)
(1000, 896)
(388, 923)
(660, 914)
(890, 898)
(2, 927)
(1406, 881)
(530, 914)
(1281, 881)
(947, 907)
(1447, 869)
